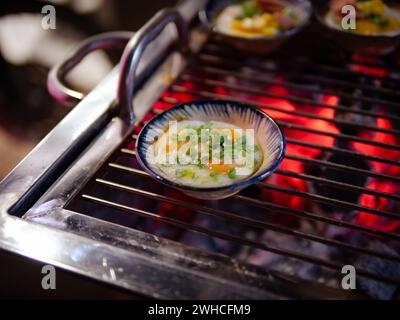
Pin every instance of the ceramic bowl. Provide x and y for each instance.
(268, 134)
(258, 45)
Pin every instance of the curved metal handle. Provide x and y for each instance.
(134, 51)
(55, 80)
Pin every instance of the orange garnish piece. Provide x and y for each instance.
(220, 167)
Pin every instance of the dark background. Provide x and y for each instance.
(27, 112)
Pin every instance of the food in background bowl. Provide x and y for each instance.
(258, 18)
(373, 17)
(375, 31)
(255, 27)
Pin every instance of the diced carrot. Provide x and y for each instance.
(220, 167)
(177, 146)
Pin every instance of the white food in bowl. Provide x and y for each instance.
(206, 166)
(389, 11)
(266, 24)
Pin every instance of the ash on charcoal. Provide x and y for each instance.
(291, 266)
(217, 245)
(351, 119)
(390, 269)
(329, 173)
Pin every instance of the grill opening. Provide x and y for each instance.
(334, 201)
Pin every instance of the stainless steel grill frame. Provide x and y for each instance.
(91, 136)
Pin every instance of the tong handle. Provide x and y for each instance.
(134, 51)
(55, 80)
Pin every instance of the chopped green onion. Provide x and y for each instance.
(249, 9)
(214, 176)
(378, 19)
(206, 125)
(232, 173)
(188, 174)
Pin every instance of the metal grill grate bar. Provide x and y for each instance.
(283, 209)
(343, 168)
(236, 239)
(293, 126)
(293, 63)
(342, 151)
(314, 197)
(337, 184)
(315, 161)
(288, 84)
(246, 221)
(257, 78)
(329, 201)
(212, 95)
(312, 178)
(329, 149)
(317, 78)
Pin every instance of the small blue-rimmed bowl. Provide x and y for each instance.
(268, 134)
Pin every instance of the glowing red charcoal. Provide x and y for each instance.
(297, 166)
(359, 66)
(293, 135)
(282, 198)
(373, 150)
(183, 96)
(173, 211)
(380, 203)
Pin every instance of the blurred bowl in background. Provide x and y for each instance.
(259, 44)
(355, 42)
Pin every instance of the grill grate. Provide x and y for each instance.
(361, 88)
